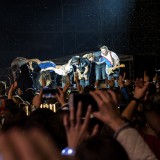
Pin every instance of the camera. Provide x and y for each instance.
(86, 100)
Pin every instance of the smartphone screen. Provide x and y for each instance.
(102, 83)
(49, 93)
(86, 100)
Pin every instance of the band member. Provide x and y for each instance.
(100, 66)
(23, 77)
(65, 71)
(45, 73)
(16, 65)
(83, 69)
(112, 60)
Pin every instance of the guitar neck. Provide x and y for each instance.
(119, 66)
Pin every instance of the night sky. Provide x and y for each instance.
(48, 29)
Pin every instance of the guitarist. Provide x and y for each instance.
(82, 68)
(112, 60)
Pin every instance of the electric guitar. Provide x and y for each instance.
(110, 70)
(80, 76)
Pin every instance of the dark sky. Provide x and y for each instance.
(49, 29)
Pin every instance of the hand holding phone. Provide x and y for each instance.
(86, 100)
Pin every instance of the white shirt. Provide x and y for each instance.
(64, 70)
(114, 57)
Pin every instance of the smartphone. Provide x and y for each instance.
(49, 93)
(102, 83)
(86, 100)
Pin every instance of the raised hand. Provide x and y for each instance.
(61, 97)
(146, 77)
(67, 85)
(124, 76)
(75, 130)
(140, 88)
(108, 108)
(32, 145)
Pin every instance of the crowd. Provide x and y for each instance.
(104, 122)
(114, 118)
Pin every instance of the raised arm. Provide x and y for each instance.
(76, 130)
(139, 93)
(128, 137)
